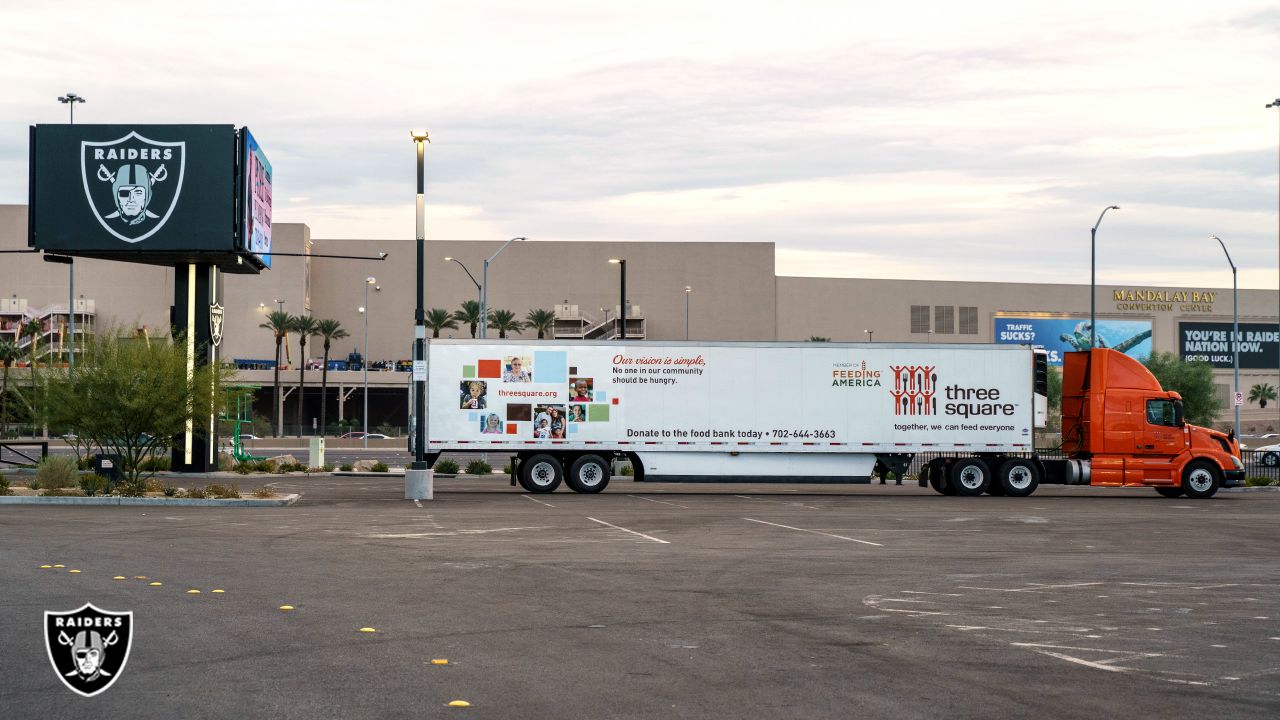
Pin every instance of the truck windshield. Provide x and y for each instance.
(1161, 412)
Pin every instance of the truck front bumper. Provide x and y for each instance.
(1232, 478)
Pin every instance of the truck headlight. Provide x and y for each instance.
(1236, 461)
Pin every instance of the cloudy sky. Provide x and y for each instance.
(931, 140)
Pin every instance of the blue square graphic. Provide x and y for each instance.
(601, 396)
(473, 416)
(550, 367)
(573, 428)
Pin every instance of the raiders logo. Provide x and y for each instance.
(88, 647)
(132, 184)
(216, 315)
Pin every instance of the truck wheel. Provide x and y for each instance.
(588, 474)
(1170, 492)
(1018, 478)
(937, 475)
(541, 474)
(970, 476)
(1200, 480)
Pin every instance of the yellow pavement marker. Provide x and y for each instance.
(193, 591)
(217, 591)
(118, 577)
(73, 571)
(59, 566)
(286, 608)
(459, 703)
(139, 577)
(367, 629)
(45, 567)
(439, 661)
(155, 584)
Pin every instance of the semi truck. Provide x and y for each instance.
(813, 412)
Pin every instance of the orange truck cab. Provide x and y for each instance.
(1121, 429)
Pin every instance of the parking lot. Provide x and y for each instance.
(655, 600)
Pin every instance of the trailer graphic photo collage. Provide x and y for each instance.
(535, 395)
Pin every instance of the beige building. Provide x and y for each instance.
(735, 295)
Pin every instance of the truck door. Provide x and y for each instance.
(1160, 443)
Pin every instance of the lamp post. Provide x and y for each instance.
(871, 335)
(479, 297)
(70, 100)
(484, 293)
(1276, 104)
(622, 307)
(1093, 278)
(364, 310)
(687, 290)
(417, 478)
(1235, 330)
(279, 304)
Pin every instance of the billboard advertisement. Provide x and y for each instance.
(1211, 342)
(743, 398)
(1058, 335)
(129, 191)
(256, 200)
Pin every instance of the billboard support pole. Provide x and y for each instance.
(195, 291)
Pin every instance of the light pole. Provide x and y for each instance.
(1093, 278)
(622, 308)
(279, 304)
(484, 293)
(417, 478)
(364, 365)
(70, 100)
(1235, 330)
(687, 290)
(1276, 104)
(479, 297)
(871, 335)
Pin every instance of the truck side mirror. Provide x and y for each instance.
(1177, 414)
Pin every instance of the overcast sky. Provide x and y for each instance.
(929, 140)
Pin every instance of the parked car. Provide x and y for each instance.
(1268, 455)
(249, 436)
(358, 434)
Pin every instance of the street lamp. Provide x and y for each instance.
(279, 304)
(1093, 278)
(871, 335)
(687, 289)
(417, 478)
(1276, 104)
(622, 316)
(1235, 330)
(364, 310)
(70, 100)
(479, 298)
(484, 293)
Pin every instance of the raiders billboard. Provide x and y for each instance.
(1210, 342)
(159, 194)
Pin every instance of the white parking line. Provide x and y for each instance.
(633, 532)
(815, 532)
(663, 502)
(530, 497)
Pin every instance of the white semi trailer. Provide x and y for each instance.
(729, 412)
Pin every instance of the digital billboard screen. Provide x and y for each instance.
(256, 200)
(1059, 335)
(1210, 342)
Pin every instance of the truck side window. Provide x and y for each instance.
(1160, 412)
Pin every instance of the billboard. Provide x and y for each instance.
(1211, 342)
(740, 397)
(131, 189)
(256, 199)
(1058, 335)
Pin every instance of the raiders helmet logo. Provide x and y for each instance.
(88, 647)
(132, 184)
(216, 316)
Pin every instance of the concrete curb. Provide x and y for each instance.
(1260, 488)
(146, 501)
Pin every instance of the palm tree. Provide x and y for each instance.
(439, 319)
(504, 321)
(541, 320)
(305, 326)
(9, 354)
(278, 323)
(1261, 393)
(330, 330)
(32, 328)
(470, 314)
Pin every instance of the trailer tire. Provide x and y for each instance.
(1170, 492)
(1200, 480)
(970, 476)
(1018, 478)
(937, 476)
(588, 474)
(541, 474)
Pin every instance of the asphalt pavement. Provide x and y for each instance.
(659, 601)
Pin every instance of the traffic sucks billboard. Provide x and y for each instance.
(1060, 335)
(144, 193)
(1211, 342)
(256, 200)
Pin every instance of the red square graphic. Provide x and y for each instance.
(511, 429)
(489, 369)
(615, 401)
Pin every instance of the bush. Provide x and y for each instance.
(226, 462)
(244, 468)
(153, 485)
(169, 491)
(4, 486)
(56, 471)
(328, 467)
(197, 492)
(60, 492)
(263, 492)
(346, 467)
(265, 466)
(291, 467)
(379, 467)
(1256, 481)
(626, 470)
(125, 488)
(446, 467)
(479, 467)
(223, 492)
(155, 463)
(506, 468)
(94, 485)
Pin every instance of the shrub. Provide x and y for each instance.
(197, 492)
(346, 467)
(626, 470)
(328, 467)
(126, 488)
(446, 467)
(4, 486)
(56, 471)
(379, 467)
(153, 485)
(265, 466)
(479, 467)
(34, 484)
(1256, 481)
(226, 462)
(244, 468)
(506, 468)
(292, 467)
(155, 463)
(94, 485)
(84, 463)
(60, 492)
(169, 491)
(263, 492)
(223, 492)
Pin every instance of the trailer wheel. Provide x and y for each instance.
(588, 474)
(1018, 478)
(1170, 492)
(1200, 480)
(937, 476)
(970, 476)
(541, 474)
